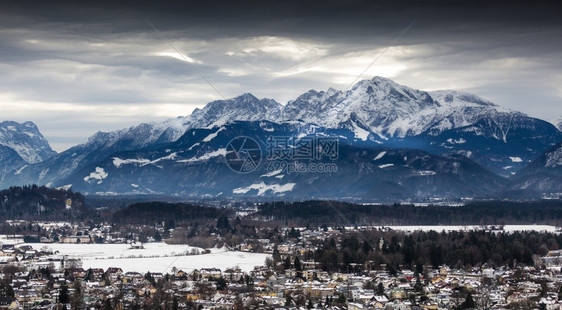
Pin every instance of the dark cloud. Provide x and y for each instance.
(325, 20)
(92, 62)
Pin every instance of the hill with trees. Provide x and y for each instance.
(158, 212)
(476, 213)
(40, 203)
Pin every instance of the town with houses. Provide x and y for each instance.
(32, 277)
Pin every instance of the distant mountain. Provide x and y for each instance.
(195, 166)
(464, 147)
(245, 107)
(543, 175)
(98, 147)
(440, 122)
(26, 140)
(552, 159)
(503, 142)
(103, 144)
(10, 161)
(389, 110)
(380, 111)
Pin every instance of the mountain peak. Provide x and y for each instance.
(383, 90)
(460, 98)
(374, 114)
(241, 101)
(245, 107)
(382, 79)
(391, 109)
(558, 123)
(26, 140)
(246, 96)
(379, 82)
(30, 124)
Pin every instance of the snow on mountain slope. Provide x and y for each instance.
(553, 158)
(378, 106)
(103, 144)
(549, 163)
(380, 103)
(176, 168)
(311, 106)
(245, 107)
(543, 175)
(138, 136)
(98, 147)
(558, 123)
(26, 140)
(377, 112)
(460, 109)
(10, 161)
(389, 109)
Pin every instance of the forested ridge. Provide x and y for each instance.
(42, 203)
(34, 202)
(399, 250)
(157, 212)
(475, 213)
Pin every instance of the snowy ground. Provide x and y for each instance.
(105, 251)
(218, 259)
(439, 228)
(5, 240)
(161, 257)
(155, 257)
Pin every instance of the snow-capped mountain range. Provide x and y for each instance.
(373, 114)
(387, 109)
(194, 166)
(390, 110)
(26, 140)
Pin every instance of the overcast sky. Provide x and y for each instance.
(75, 68)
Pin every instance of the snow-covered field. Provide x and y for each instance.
(439, 228)
(219, 259)
(155, 257)
(5, 240)
(162, 257)
(105, 251)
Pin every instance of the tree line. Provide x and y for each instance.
(355, 251)
(158, 212)
(475, 213)
(32, 202)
